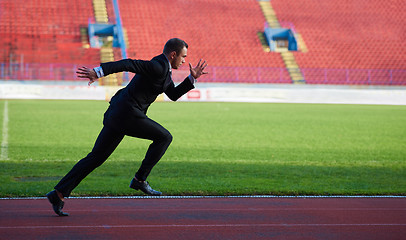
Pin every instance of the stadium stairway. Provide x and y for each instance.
(269, 14)
(100, 11)
(288, 57)
(106, 52)
(301, 43)
(293, 68)
(265, 45)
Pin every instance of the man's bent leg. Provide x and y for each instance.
(162, 138)
(106, 143)
(155, 152)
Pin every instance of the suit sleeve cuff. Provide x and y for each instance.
(192, 79)
(99, 71)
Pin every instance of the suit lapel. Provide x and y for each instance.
(168, 77)
(167, 81)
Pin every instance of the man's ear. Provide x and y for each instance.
(173, 54)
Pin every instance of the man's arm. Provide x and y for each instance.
(134, 66)
(125, 65)
(174, 93)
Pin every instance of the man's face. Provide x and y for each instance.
(179, 59)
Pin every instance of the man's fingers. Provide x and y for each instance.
(200, 65)
(81, 73)
(204, 66)
(83, 69)
(90, 82)
(83, 76)
(199, 69)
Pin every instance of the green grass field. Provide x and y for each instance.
(218, 149)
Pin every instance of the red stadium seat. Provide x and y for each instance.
(366, 34)
(348, 42)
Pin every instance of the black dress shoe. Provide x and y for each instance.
(57, 203)
(144, 186)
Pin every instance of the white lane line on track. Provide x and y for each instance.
(4, 141)
(12, 210)
(194, 197)
(216, 225)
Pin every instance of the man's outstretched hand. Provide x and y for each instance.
(197, 71)
(84, 72)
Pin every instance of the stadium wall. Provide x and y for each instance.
(276, 93)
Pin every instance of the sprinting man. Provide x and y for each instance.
(126, 115)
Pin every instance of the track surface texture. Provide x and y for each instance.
(206, 218)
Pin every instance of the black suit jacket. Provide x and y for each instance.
(152, 78)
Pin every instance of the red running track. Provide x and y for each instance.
(206, 218)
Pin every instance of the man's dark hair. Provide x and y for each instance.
(174, 44)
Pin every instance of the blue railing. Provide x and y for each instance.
(120, 31)
(120, 35)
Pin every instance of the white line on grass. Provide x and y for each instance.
(4, 142)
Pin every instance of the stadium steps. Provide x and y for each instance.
(107, 55)
(301, 43)
(84, 37)
(292, 67)
(100, 11)
(269, 14)
(288, 57)
(264, 44)
(106, 52)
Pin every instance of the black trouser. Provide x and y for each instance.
(106, 143)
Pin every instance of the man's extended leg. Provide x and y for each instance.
(106, 143)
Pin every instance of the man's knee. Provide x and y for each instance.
(168, 138)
